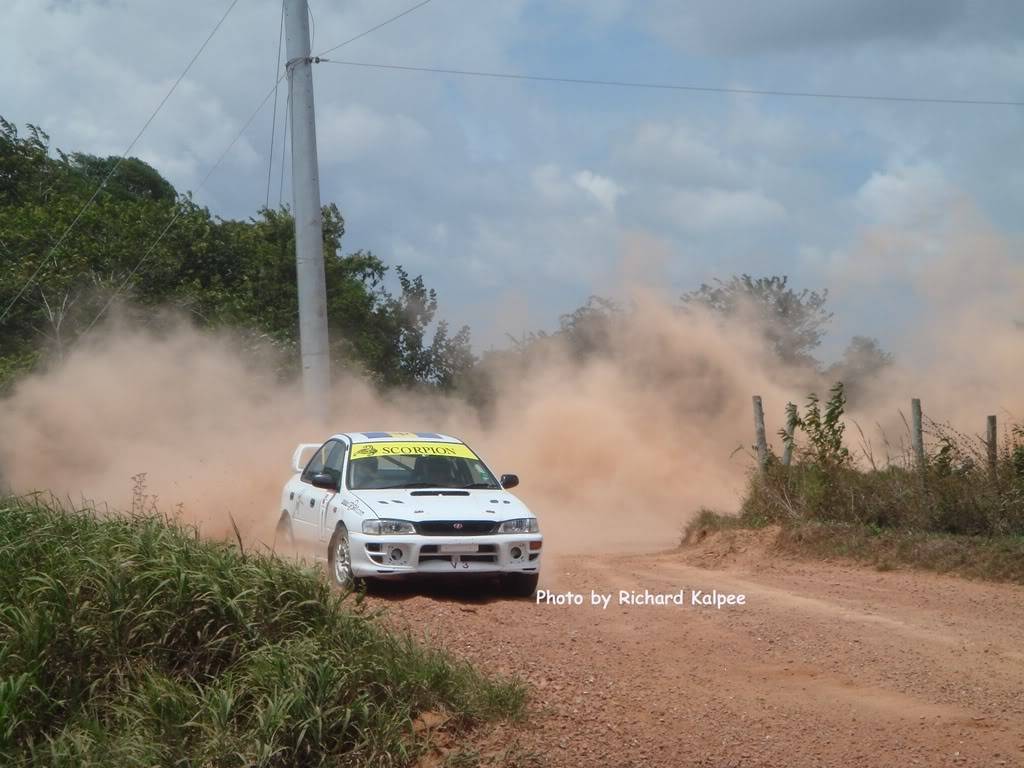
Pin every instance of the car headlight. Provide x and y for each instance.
(387, 527)
(521, 525)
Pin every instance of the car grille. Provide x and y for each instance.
(448, 527)
(486, 554)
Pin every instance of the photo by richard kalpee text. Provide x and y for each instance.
(697, 598)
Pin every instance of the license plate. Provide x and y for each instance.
(458, 549)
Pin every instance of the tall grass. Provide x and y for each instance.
(955, 492)
(130, 641)
(953, 513)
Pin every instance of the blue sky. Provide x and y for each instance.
(517, 200)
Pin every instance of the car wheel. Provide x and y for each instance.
(521, 584)
(284, 529)
(339, 559)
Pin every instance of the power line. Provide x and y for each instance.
(674, 87)
(116, 165)
(284, 143)
(273, 126)
(177, 214)
(374, 29)
(312, 24)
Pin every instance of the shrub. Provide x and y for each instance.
(128, 641)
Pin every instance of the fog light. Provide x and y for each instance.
(396, 554)
(516, 553)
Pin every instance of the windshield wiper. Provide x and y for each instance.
(481, 485)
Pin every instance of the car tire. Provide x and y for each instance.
(339, 560)
(284, 530)
(521, 584)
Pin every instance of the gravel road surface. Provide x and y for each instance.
(824, 664)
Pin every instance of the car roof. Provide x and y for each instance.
(384, 437)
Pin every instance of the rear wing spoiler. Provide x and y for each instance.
(297, 461)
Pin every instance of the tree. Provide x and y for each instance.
(863, 359)
(792, 322)
(404, 321)
(220, 272)
(587, 329)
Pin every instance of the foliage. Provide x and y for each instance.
(221, 272)
(824, 430)
(956, 513)
(997, 558)
(792, 322)
(587, 329)
(584, 332)
(955, 493)
(862, 361)
(130, 641)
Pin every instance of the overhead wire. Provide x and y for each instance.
(92, 198)
(178, 213)
(273, 126)
(284, 144)
(396, 17)
(671, 86)
(216, 165)
(312, 26)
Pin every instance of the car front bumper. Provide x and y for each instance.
(413, 554)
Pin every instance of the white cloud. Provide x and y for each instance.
(906, 196)
(486, 185)
(557, 188)
(601, 188)
(704, 210)
(677, 150)
(348, 133)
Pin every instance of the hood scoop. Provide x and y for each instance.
(439, 493)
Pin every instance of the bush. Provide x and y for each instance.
(132, 642)
(952, 514)
(955, 492)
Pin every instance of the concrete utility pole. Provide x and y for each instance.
(309, 248)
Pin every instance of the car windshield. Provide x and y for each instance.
(416, 465)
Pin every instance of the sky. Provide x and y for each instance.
(517, 200)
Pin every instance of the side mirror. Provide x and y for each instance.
(509, 481)
(324, 480)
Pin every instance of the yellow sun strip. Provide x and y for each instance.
(368, 450)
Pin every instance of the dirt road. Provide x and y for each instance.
(824, 665)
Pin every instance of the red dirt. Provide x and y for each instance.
(826, 665)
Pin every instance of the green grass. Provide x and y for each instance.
(957, 508)
(995, 558)
(133, 642)
(990, 557)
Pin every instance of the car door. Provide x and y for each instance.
(308, 496)
(334, 466)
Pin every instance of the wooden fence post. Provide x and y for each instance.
(762, 442)
(917, 432)
(991, 445)
(787, 451)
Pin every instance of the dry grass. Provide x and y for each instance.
(957, 513)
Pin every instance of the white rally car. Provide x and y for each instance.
(394, 504)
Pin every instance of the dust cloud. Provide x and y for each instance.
(616, 451)
(961, 344)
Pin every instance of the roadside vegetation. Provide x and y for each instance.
(953, 514)
(220, 273)
(240, 275)
(130, 641)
